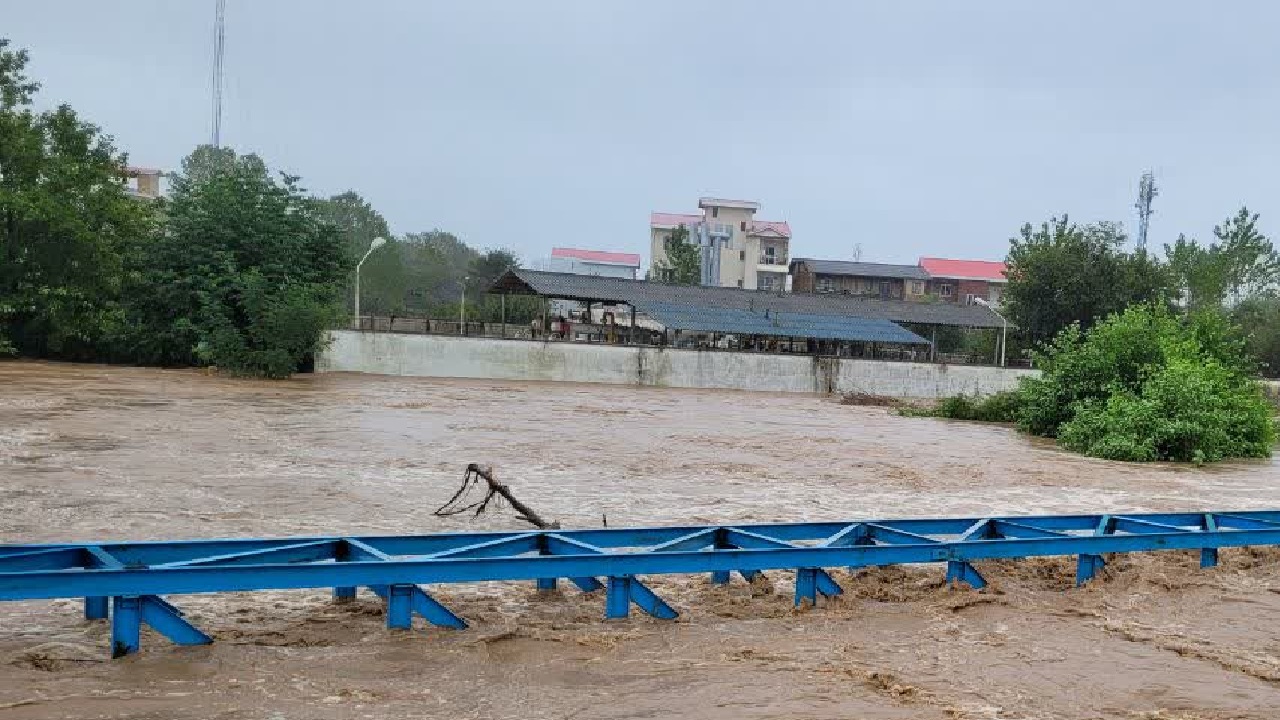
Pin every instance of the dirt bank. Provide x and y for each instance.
(89, 452)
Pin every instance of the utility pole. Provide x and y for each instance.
(1146, 193)
(219, 43)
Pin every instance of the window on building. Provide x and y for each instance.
(885, 289)
(715, 212)
(742, 256)
(944, 290)
(968, 298)
(739, 282)
(765, 282)
(825, 284)
(917, 287)
(744, 226)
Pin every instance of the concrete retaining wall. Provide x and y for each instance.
(456, 357)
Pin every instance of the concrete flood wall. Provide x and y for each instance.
(457, 357)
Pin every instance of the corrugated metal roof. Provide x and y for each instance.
(864, 269)
(680, 316)
(634, 292)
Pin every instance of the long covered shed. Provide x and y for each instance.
(753, 312)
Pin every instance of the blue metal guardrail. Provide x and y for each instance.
(132, 577)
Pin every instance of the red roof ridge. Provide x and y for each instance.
(606, 256)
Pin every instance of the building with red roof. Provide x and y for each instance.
(945, 279)
(580, 261)
(965, 280)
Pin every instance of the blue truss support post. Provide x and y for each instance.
(821, 581)
(622, 590)
(403, 599)
(806, 586)
(130, 611)
(344, 594)
(1208, 555)
(962, 572)
(399, 607)
(617, 599)
(547, 584)
(95, 607)
(1088, 566)
(720, 577)
(126, 625)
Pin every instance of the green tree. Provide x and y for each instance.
(384, 280)
(485, 269)
(66, 225)
(1260, 316)
(1242, 262)
(683, 264)
(246, 276)
(1062, 273)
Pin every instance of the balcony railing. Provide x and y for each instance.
(773, 259)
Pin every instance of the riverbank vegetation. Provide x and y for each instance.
(238, 266)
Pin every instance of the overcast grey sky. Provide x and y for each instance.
(912, 128)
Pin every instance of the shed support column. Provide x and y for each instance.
(635, 338)
(503, 331)
(933, 346)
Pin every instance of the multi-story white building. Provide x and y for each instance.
(737, 250)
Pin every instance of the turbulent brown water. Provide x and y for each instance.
(90, 452)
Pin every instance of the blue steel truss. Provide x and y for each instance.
(126, 581)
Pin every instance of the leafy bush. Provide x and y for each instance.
(1000, 407)
(1189, 411)
(1145, 385)
(1141, 385)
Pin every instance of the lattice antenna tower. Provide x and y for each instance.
(219, 42)
(1146, 193)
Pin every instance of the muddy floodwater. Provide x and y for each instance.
(91, 452)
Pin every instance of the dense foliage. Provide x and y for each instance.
(1146, 384)
(67, 226)
(238, 267)
(1141, 385)
(1062, 273)
(245, 274)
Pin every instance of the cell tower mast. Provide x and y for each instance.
(218, 45)
(1146, 193)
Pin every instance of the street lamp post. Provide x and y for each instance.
(462, 308)
(1004, 330)
(377, 243)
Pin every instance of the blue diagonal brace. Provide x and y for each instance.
(809, 581)
(622, 590)
(962, 572)
(131, 611)
(403, 600)
(555, 544)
